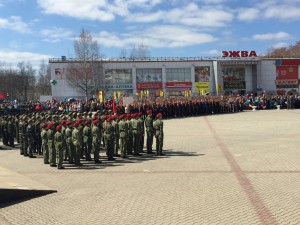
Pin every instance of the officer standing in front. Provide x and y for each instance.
(159, 134)
(149, 131)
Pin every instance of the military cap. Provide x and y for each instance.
(159, 115)
(58, 128)
(149, 112)
(95, 121)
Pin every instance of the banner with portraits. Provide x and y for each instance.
(233, 78)
(202, 77)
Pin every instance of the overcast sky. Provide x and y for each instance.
(32, 30)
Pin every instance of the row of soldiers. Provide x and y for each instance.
(74, 136)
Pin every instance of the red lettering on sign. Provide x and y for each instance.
(244, 54)
(252, 54)
(237, 54)
(234, 54)
(225, 54)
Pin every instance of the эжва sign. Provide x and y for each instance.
(238, 54)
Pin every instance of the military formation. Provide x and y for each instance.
(70, 138)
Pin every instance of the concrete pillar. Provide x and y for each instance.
(193, 78)
(134, 90)
(164, 77)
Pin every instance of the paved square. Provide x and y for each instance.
(222, 169)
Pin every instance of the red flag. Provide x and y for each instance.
(1, 96)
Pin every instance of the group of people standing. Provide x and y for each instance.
(74, 136)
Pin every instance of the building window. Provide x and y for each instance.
(178, 74)
(117, 76)
(148, 75)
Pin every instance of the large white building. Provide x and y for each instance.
(178, 76)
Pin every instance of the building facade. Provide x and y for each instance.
(180, 77)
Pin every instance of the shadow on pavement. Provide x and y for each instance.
(90, 165)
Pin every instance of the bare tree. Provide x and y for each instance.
(291, 51)
(123, 53)
(27, 74)
(43, 86)
(133, 53)
(143, 51)
(139, 52)
(10, 81)
(81, 73)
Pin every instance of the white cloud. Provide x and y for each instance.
(190, 15)
(56, 34)
(82, 9)
(14, 23)
(280, 45)
(213, 1)
(271, 36)
(102, 10)
(156, 37)
(248, 14)
(271, 9)
(15, 56)
(213, 52)
(139, 11)
(283, 12)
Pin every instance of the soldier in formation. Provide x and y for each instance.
(64, 139)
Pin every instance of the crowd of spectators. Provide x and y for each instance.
(169, 107)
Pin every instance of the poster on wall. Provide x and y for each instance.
(117, 76)
(202, 73)
(202, 76)
(234, 78)
(59, 73)
(202, 87)
(148, 75)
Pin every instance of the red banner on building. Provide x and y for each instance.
(287, 82)
(288, 62)
(179, 84)
(145, 86)
(286, 72)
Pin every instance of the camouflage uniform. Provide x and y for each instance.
(77, 142)
(135, 136)
(142, 133)
(30, 137)
(129, 140)
(96, 141)
(45, 146)
(159, 135)
(149, 131)
(115, 125)
(87, 141)
(51, 147)
(123, 128)
(24, 137)
(58, 142)
(108, 137)
(11, 132)
(69, 144)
